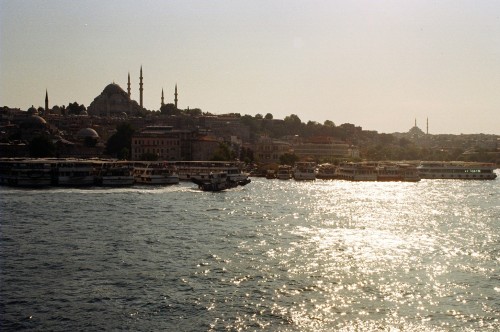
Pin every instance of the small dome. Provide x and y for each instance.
(87, 132)
(32, 110)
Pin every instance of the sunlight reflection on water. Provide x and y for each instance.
(274, 255)
(374, 255)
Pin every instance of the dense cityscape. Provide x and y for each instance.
(116, 126)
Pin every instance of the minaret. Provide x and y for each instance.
(128, 85)
(415, 122)
(140, 89)
(175, 95)
(427, 126)
(162, 98)
(46, 102)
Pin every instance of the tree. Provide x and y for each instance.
(74, 108)
(293, 124)
(223, 153)
(328, 123)
(258, 116)
(41, 146)
(246, 155)
(169, 109)
(386, 139)
(292, 119)
(121, 140)
(268, 116)
(251, 122)
(288, 159)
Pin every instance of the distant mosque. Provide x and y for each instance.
(115, 102)
(416, 133)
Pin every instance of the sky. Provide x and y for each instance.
(380, 65)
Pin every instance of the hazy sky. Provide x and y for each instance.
(376, 64)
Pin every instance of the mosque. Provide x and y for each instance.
(115, 102)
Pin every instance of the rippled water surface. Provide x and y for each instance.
(274, 256)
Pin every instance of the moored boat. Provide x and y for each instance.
(156, 173)
(394, 171)
(408, 172)
(304, 170)
(74, 172)
(284, 172)
(26, 172)
(326, 171)
(356, 172)
(456, 170)
(115, 174)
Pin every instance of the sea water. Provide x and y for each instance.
(271, 256)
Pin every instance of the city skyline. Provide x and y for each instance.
(376, 65)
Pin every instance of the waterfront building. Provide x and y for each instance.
(225, 127)
(161, 141)
(268, 150)
(204, 148)
(322, 148)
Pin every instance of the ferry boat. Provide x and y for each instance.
(284, 172)
(408, 172)
(26, 172)
(326, 171)
(356, 172)
(156, 173)
(74, 172)
(200, 169)
(456, 170)
(304, 170)
(115, 174)
(397, 172)
(214, 182)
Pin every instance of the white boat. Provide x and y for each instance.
(392, 171)
(156, 173)
(196, 169)
(284, 172)
(456, 170)
(326, 171)
(356, 172)
(74, 172)
(115, 174)
(304, 170)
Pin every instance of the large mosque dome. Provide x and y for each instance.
(113, 101)
(113, 89)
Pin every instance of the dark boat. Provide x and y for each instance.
(218, 182)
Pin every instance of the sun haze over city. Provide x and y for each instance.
(379, 65)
